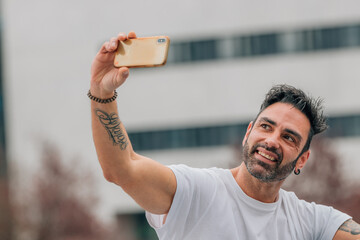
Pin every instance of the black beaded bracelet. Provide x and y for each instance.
(99, 100)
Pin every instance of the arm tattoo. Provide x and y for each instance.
(351, 227)
(112, 123)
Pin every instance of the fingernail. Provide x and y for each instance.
(113, 44)
(125, 74)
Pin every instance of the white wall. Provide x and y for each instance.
(49, 46)
(232, 90)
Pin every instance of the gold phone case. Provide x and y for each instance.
(142, 52)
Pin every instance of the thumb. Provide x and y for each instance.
(116, 79)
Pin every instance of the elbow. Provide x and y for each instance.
(118, 172)
(113, 178)
(109, 176)
(120, 178)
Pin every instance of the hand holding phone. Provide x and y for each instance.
(105, 77)
(142, 52)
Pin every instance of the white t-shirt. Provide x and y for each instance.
(209, 204)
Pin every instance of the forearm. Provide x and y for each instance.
(111, 141)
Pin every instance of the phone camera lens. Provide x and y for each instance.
(161, 40)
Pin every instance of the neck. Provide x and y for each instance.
(266, 192)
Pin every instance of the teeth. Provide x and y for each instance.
(266, 156)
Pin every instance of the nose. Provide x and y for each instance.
(272, 141)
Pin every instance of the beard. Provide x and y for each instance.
(263, 171)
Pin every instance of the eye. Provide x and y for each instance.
(265, 126)
(289, 138)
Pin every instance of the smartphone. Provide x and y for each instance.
(142, 52)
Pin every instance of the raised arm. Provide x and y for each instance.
(350, 230)
(149, 183)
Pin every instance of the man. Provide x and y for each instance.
(242, 203)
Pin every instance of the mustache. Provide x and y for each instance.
(270, 149)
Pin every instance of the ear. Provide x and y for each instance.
(248, 130)
(302, 160)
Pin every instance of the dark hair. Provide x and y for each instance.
(312, 108)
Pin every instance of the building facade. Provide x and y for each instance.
(223, 58)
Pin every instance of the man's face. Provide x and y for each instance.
(273, 143)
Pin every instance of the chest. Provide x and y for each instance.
(233, 218)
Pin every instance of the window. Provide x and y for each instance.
(305, 40)
(256, 45)
(345, 126)
(193, 51)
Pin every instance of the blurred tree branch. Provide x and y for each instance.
(59, 203)
(5, 211)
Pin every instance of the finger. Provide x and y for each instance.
(105, 47)
(121, 36)
(113, 44)
(132, 34)
(123, 75)
(124, 72)
(116, 82)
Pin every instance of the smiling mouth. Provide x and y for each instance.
(266, 156)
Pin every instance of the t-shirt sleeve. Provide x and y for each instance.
(327, 221)
(322, 221)
(195, 188)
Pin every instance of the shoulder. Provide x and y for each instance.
(305, 208)
(184, 171)
(199, 181)
(183, 167)
(196, 191)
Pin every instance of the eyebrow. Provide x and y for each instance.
(292, 132)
